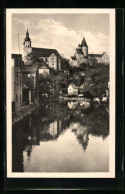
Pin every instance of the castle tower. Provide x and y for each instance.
(84, 47)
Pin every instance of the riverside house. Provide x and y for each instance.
(30, 84)
(16, 66)
(72, 89)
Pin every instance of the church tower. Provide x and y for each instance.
(27, 46)
(27, 40)
(84, 47)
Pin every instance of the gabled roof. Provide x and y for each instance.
(73, 86)
(16, 55)
(30, 69)
(44, 52)
(95, 55)
(43, 65)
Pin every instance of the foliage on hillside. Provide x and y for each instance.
(96, 80)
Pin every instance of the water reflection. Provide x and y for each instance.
(55, 132)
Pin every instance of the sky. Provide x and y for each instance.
(62, 32)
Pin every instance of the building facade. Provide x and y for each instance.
(101, 58)
(17, 94)
(81, 56)
(73, 89)
(30, 84)
(50, 56)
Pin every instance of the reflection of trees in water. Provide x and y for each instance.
(52, 120)
(97, 120)
(82, 135)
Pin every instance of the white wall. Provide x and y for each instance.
(53, 61)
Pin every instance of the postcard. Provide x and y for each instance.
(60, 86)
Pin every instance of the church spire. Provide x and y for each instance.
(27, 40)
(27, 33)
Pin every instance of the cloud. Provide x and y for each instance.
(49, 33)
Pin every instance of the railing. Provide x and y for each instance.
(23, 111)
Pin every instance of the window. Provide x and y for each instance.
(16, 97)
(17, 79)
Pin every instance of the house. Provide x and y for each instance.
(105, 58)
(73, 89)
(16, 98)
(43, 68)
(30, 84)
(50, 56)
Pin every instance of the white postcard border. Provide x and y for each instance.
(111, 173)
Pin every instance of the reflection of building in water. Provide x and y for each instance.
(53, 128)
(25, 136)
(84, 104)
(72, 104)
(50, 131)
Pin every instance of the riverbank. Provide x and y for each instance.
(23, 112)
(77, 98)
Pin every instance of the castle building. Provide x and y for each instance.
(101, 58)
(49, 56)
(81, 55)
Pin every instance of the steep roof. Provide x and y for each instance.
(30, 69)
(43, 65)
(27, 37)
(73, 86)
(95, 55)
(83, 43)
(44, 52)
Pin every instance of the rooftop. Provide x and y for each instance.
(95, 55)
(45, 52)
(16, 55)
(30, 69)
(73, 86)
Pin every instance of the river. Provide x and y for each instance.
(62, 137)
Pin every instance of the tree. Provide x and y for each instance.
(96, 80)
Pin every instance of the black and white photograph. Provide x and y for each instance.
(60, 84)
